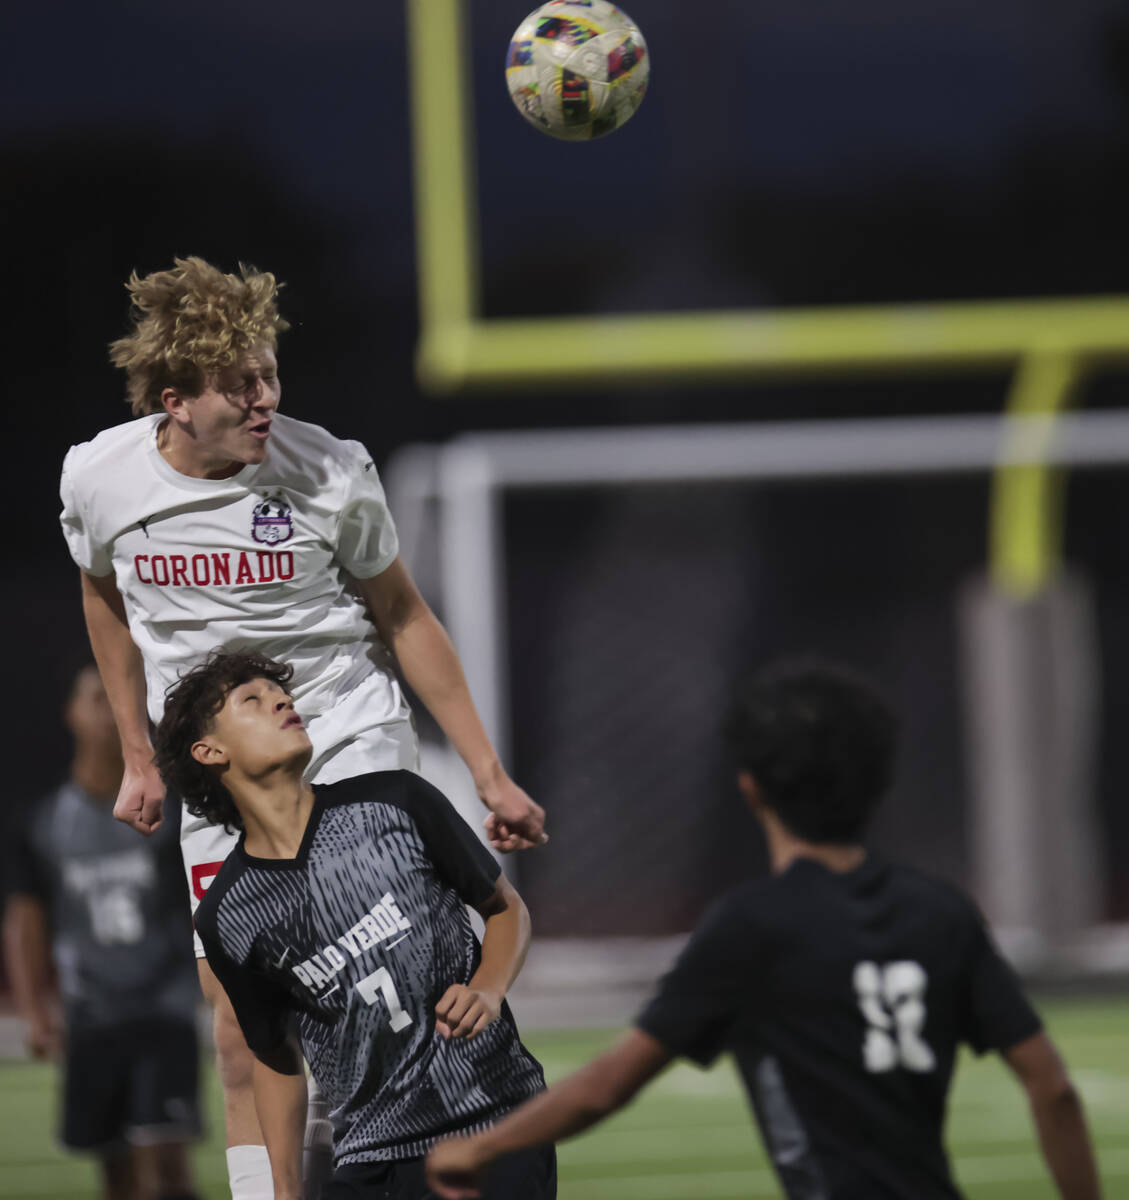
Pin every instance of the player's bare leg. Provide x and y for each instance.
(162, 1172)
(117, 1175)
(247, 1163)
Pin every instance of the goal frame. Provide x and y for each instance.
(463, 484)
(464, 481)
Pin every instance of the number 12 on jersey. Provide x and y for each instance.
(892, 999)
(378, 984)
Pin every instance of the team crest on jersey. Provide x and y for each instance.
(271, 521)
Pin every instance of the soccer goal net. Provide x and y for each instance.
(607, 588)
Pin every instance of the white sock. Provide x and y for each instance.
(248, 1173)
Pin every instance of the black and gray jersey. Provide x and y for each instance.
(843, 998)
(357, 938)
(120, 930)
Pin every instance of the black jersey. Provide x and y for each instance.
(843, 998)
(359, 936)
(120, 932)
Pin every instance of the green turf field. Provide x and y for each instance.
(689, 1137)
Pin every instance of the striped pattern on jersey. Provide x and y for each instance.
(360, 935)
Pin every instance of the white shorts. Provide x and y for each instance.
(391, 746)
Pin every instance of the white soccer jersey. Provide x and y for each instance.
(259, 561)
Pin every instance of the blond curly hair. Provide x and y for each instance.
(191, 322)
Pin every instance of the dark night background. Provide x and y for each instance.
(788, 154)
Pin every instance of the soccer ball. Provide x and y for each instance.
(577, 69)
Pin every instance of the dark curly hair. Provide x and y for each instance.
(191, 705)
(820, 743)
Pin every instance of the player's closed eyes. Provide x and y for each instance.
(259, 696)
(247, 385)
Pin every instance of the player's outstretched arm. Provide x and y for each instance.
(465, 1010)
(123, 675)
(1059, 1117)
(27, 959)
(455, 1166)
(428, 660)
(279, 1080)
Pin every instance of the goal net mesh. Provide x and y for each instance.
(632, 613)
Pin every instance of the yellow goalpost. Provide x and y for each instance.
(1049, 343)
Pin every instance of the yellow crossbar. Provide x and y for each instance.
(1050, 342)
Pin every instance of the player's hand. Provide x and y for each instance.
(43, 1037)
(140, 798)
(453, 1168)
(465, 1011)
(516, 820)
(505, 840)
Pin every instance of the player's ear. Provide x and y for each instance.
(209, 753)
(175, 403)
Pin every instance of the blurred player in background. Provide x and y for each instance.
(341, 912)
(110, 909)
(841, 984)
(212, 520)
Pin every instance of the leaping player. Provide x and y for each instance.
(212, 520)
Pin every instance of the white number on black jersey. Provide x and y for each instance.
(379, 983)
(115, 917)
(892, 999)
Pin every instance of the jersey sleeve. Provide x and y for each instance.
(366, 534)
(262, 1008)
(699, 999)
(86, 550)
(997, 1015)
(459, 857)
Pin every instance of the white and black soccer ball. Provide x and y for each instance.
(577, 69)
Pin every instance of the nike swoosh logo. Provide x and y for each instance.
(396, 942)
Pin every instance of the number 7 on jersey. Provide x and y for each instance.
(378, 984)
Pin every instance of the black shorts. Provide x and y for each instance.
(527, 1175)
(136, 1083)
